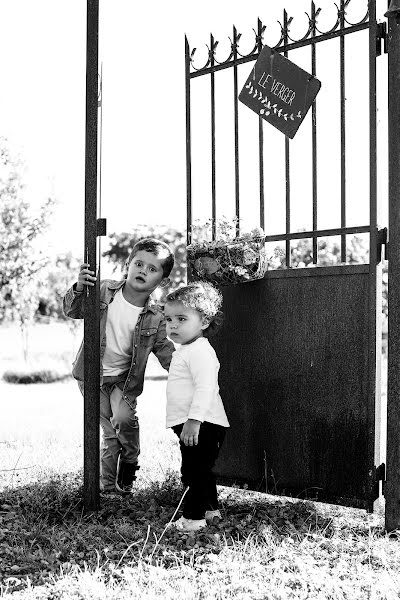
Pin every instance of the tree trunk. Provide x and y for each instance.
(25, 339)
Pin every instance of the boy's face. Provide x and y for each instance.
(183, 323)
(145, 272)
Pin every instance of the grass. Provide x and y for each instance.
(51, 350)
(265, 547)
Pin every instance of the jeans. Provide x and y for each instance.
(196, 470)
(120, 427)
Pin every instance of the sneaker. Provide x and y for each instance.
(213, 516)
(184, 524)
(126, 477)
(111, 494)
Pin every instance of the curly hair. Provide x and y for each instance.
(203, 297)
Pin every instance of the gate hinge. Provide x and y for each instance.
(381, 242)
(381, 36)
(101, 227)
(378, 474)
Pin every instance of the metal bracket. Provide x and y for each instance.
(381, 242)
(380, 475)
(101, 227)
(394, 10)
(376, 475)
(381, 36)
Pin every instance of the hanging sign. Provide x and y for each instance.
(279, 91)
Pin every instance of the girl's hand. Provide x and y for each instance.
(190, 432)
(85, 277)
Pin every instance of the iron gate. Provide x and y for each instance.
(300, 349)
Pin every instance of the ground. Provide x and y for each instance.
(264, 548)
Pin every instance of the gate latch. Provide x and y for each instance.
(382, 242)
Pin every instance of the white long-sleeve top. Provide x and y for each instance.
(192, 388)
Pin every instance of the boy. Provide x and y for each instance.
(130, 328)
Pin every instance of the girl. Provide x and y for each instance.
(194, 407)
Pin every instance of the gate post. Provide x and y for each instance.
(392, 486)
(91, 417)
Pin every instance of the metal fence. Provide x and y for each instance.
(312, 37)
(356, 472)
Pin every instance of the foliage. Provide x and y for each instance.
(329, 252)
(61, 272)
(222, 229)
(217, 254)
(26, 374)
(121, 245)
(21, 260)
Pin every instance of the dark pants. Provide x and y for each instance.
(197, 464)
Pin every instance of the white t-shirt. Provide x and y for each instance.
(121, 322)
(192, 388)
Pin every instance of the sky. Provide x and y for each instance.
(42, 113)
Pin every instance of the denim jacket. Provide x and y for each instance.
(149, 335)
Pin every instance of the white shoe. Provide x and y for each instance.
(184, 524)
(213, 516)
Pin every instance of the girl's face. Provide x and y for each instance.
(184, 324)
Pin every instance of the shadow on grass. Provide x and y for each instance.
(44, 531)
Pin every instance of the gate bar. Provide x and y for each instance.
(392, 486)
(314, 15)
(286, 23)
(213, 45)
(343, 5)
(91, 417)
(260, 32)
(236, 38)
(188, 146)
(375, 265)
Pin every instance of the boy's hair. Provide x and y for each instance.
(157, 247)
(203, 297)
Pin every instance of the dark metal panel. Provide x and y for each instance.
(91, 444)
(392, 486)
(318, 271)
(293, 380)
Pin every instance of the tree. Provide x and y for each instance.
(21, 260)
(60, 273)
